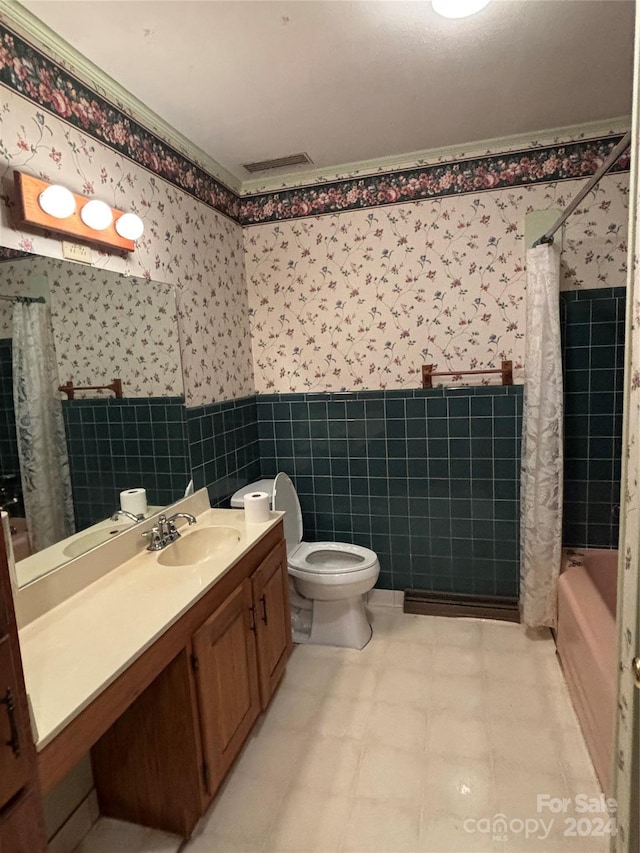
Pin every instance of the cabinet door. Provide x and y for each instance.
(147, 766)
(4, 615)
(273, 618)
(14, 762)
(226, 677)
(21, 827)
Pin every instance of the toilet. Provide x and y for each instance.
(329, 578)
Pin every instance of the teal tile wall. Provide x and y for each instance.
(223, 444)
(427, 479)
(120, 444)
(158, 444)
(593, 332)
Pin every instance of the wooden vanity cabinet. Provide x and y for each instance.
(21, 819)
(146, 768)
(270, 583)
(225, 669)
(13, 755)
(162, 761)
(239, 657)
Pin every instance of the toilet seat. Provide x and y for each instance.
(331, 558)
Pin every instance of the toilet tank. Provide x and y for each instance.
(237, 499)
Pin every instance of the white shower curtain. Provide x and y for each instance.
(42, 448)
(542, 428)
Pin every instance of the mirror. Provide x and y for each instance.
(104, 326)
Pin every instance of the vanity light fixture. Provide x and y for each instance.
(96, 214)
(458, 8)
(39, 204)
(57, 201)
(129, 226)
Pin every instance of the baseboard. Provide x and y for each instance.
(428, 603)
(71, 833)
(385, 597)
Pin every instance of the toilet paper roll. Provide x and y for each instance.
(134, 500)
(6, 530)
(256, 508)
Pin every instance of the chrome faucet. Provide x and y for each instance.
(130, 515)
(165, 532)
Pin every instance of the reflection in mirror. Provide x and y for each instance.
(98, 326)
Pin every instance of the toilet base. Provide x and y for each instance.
(341, 623)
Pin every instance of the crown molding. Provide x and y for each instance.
(42, 37)
(430, 156)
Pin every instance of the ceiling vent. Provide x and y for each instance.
(278, 163)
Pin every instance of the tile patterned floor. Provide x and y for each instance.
(432, 730)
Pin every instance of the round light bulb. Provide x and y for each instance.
(96, 214)
(129, 226)
(57, 201)
(458, 8)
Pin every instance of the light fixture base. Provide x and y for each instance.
(28, 212)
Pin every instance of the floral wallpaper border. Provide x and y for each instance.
(31, 74)
(492, 172)
(7, 254)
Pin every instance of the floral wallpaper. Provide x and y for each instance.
(13, 282)
(107, 326)
(185, 243)
(423, 264)
(362, 299)
(104, 325)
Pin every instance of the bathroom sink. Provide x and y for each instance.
(199, 545)
(85, 543)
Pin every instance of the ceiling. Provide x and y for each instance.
(352, 81)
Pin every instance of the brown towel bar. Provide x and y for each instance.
(70, 389)
(428, 373)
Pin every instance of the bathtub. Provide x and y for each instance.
(586, 642)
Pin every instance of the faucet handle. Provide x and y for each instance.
(172, 532)
(156, 543)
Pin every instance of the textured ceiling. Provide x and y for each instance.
(351, 81)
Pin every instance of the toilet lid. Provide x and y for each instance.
(285, 498)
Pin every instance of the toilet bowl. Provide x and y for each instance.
(333, 576)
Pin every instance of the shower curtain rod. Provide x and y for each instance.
(24, 299)
(620, 148)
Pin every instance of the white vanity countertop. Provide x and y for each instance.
(37, 564)
(74, 651)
